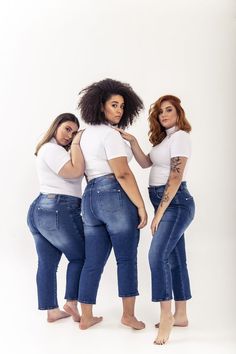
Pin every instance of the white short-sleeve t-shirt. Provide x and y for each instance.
(50, 159)
(175, 144)
(100, 143)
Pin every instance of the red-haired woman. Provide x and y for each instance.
(174, 208)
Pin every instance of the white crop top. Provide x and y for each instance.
(50, 159)
(100, 143)
(176, 143)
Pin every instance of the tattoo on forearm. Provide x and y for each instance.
(165, 198)
(175, 164)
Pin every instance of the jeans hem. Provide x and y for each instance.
(87, 302)
(129, 295)
(164, 299)
(183, 299)
(48, 307)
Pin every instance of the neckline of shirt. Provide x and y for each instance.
(171, 130)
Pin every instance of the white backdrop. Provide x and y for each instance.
(50, 50)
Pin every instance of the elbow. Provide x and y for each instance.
(176, 179)
(146, 165)
(122, 175)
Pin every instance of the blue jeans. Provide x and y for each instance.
(56, 225)
(167, 257)
(110, 220)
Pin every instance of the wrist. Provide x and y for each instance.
(133, 141)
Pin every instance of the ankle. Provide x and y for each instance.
(166, 315)
(128, 315)
(56, 309)
(72, 302)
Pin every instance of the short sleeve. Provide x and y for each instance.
(114, 145)
(55, 156)
(180, 144)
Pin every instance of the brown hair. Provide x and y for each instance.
(62, 118)
(157, 132)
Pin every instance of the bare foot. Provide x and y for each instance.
(56, 314)
(179, 322)
(165, 327)
(85, 323)
(132, 322)
(71, 308)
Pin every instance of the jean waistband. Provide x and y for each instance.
(182, 186)
(59, 197)
(96, 180)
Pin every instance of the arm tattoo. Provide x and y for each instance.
(165, 198)
(175, 164)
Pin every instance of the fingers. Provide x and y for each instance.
(153, 228)
(143, 218)
(142, 223)
(119, 130)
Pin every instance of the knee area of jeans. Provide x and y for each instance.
(155, 261)
(93, 268)
(128, 261)
(48, 264)
(80, 259)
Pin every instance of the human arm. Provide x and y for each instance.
(75, 167)
(143, 160)
(128, 183)
(177, 166)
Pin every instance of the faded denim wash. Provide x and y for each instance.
(56, 225)
(110, 221)
(167, 257)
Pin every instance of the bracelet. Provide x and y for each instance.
(75, 144)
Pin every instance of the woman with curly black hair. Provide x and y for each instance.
(113, 210)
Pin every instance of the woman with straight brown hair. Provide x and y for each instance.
(174, 208)
(54, 217)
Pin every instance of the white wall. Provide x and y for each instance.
(51, 49)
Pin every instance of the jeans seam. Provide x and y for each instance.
(166, 280)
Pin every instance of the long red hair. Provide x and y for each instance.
(157, 132)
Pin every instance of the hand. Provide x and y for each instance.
(154, 224)
(77, 137)
(143, 217)
(130, 138)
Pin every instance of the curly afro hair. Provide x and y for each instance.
(96, 94)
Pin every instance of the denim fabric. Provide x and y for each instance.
(110, 220)
(167, 257)
(56, 225)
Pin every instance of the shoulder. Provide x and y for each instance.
(181, 135)
(50, 147)
(110, 132)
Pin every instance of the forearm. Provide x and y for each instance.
(142, 159)
(77, 159)
(171, 188)
(129, 185)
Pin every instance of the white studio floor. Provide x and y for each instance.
(25, 330)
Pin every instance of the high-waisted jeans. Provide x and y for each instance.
(167, 257)
(56, 225)
(110, 220)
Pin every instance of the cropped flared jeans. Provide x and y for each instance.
(167, 256)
